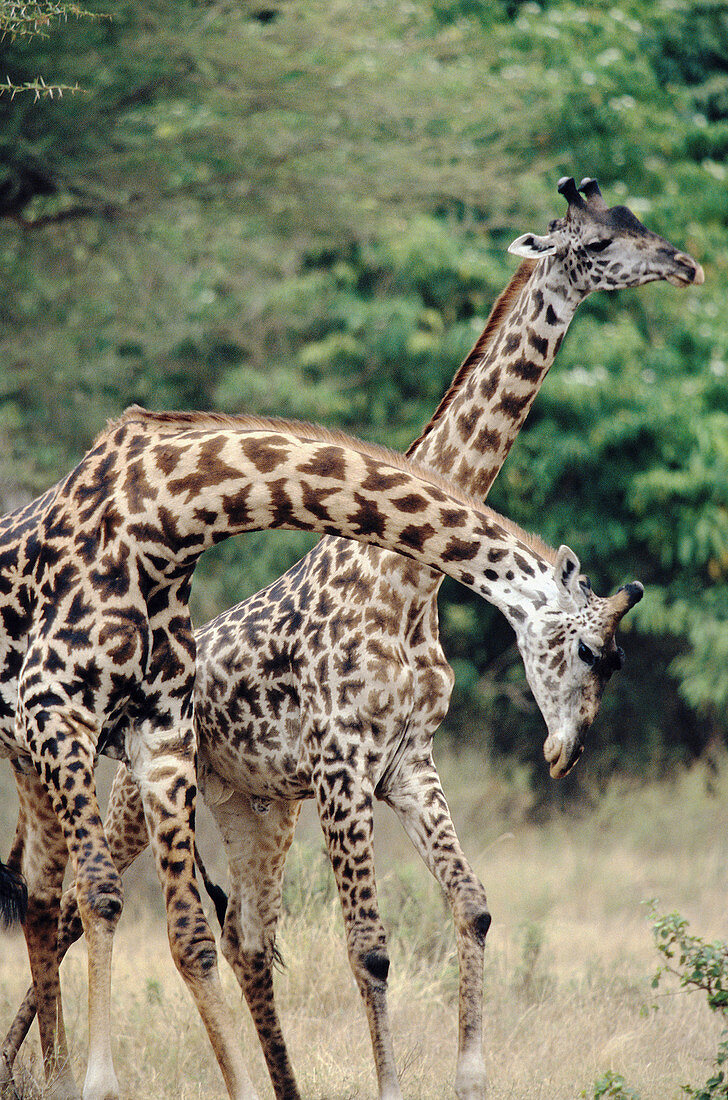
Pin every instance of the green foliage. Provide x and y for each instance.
(306, 212)
(698, 966)
(611, 1087)
(29, 19)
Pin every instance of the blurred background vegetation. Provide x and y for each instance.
(303, 208)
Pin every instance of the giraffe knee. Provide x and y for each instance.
(70, 927)
(471, 913)
(377, 964)
(105, 905)
(101, 897)
(195, 958)
(193, 947)
(252, 961)
(480, 925)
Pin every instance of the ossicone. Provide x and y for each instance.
(567, 187)
(634, 592)
(590, 189)
(625, 598)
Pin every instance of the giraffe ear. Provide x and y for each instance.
(532, 247)
(567, 569)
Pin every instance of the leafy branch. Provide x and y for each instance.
(27, 20)
(698, 966)
(38, 87)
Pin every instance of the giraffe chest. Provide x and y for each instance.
(110, 655)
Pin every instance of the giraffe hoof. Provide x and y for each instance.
(471, 1084)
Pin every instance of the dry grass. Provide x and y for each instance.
(569, 956)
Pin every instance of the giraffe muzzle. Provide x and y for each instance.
(560, 757)
(688, 271)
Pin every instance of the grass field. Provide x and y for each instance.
(569, 958)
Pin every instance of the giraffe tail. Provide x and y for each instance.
(13, 896)
(216, 893)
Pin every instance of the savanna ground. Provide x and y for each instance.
(569, 958)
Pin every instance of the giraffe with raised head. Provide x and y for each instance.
(99, 657)
(366, 622)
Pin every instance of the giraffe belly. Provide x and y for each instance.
(255, 755)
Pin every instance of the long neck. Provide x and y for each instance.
(477, 422)
(173, 496)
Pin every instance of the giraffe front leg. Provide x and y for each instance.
(344, 800)
(419, 802)
(40, 854)
(126, 833)
(63, 749)
(257, 839)
(164, 767)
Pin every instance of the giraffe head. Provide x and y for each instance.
(569, 651)
(604, 248)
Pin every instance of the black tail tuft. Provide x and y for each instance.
(216, 893)
(219, 900)
(278, 961)
(13, 897)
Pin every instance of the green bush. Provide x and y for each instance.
(698, 966)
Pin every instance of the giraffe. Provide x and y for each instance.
(99, 657)
(373, 620)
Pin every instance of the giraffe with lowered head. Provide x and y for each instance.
(99, 657)
(369, 622)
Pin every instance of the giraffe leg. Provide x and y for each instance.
(257, 843)
(344, 800)
(13, 1040)
(63, 749)
(419, 802)
(40, 854)
(126, 833)
(164, 767)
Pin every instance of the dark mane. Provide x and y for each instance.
(499, 312)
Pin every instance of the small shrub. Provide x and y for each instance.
(697, 965)
(611, 1087)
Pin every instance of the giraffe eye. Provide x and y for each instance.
(599, 246)
(588, 656)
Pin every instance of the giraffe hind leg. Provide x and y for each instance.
(420, 804)
(256, 846)
(66, 752)
(344, 802)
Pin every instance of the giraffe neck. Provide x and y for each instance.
(170, 487)
(476, 423)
